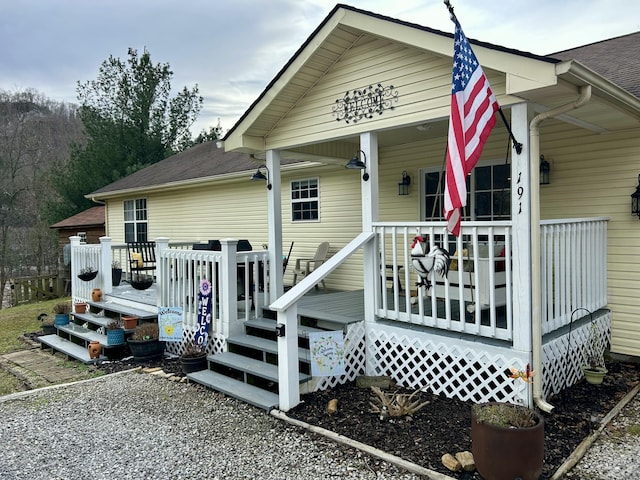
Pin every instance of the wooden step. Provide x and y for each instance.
(69, 348)
(95, 319)
(252, 366)
(269, 325)
(264, 345)
(121, 309)
(234, 388)
(86, 334)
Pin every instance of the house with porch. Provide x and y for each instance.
(543, 268)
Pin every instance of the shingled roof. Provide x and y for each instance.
(92, 217)
(615, 59)
(201, 161)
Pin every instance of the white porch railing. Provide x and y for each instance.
(574, 268)
(476, 295)
(233, 276)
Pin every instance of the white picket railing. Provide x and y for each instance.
(574, 268)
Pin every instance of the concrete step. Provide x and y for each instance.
(234, 388)
(248, 365)
(69, 348)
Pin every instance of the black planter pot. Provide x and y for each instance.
(87, 277)
(503, 453)
(116, 276)
(146, 350)
(194, 364)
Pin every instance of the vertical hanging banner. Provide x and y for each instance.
(170, 323)
(204, 313)
(327, 353)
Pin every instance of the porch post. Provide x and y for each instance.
(162, 277)
(229, 292)
(74, 241)
(370, 198)
(274, 219)
(521, 188)
(105, 264)
(288, 377)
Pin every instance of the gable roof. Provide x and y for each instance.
(615, 58)
(92, 217)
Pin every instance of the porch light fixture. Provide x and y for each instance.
(635, 200)
(545, 169)
(356, 164)
(260, 176)
(403, 186)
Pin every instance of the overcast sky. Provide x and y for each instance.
(233, 48)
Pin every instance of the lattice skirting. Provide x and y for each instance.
(217, 343)
(445, 366)
(564, 356)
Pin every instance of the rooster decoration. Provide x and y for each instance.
(437, 260)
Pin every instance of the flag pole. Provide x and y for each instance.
(517, 145)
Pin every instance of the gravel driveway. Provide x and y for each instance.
(139, 426)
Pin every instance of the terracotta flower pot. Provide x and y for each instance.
(96, 295)
(94, 349)
(130, 322)
(81, 307)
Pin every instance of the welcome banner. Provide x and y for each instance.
(204, 313)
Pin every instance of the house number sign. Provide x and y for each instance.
(365, 103)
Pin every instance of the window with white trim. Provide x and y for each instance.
(488, 193)
(305, 200)
(135, 220)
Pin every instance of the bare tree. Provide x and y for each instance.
(35, 138)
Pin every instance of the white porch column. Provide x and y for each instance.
(229, 278)
(288, 377)
(74, 241)
(274, 218)
(370, 212)
(521, 191)
(162, 277)
(105, 265)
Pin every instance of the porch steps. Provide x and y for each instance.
(248, 393)
(69, 348)
(249, 369)
(121, 307)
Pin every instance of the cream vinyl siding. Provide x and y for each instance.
(594, 175)
(421, 79)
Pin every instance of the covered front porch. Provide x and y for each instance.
(456, 339)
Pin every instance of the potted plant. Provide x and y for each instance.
(194, 358)
(48, 325)
(145, 343)
(116, 273)
(87, 274)
(594, 369)
(141, 282)
(507, 439)
(62, 311)
(129, 322)
(80, 307)
(115, 333)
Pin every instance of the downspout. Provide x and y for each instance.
(536, 301)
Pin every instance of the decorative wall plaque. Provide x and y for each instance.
(365, 103)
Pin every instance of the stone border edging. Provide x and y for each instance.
(374, 452)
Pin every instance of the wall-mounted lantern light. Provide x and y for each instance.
(635, 200)
(260, 176)
(357, 164)
(403, 186)
(545, 170)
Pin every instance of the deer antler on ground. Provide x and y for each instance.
(395, 404)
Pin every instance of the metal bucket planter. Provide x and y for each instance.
(115, 336)
(504, 453)
(146, 350)
(61, 319)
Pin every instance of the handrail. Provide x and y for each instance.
(317, 275)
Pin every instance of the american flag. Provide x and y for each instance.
(472, 117)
